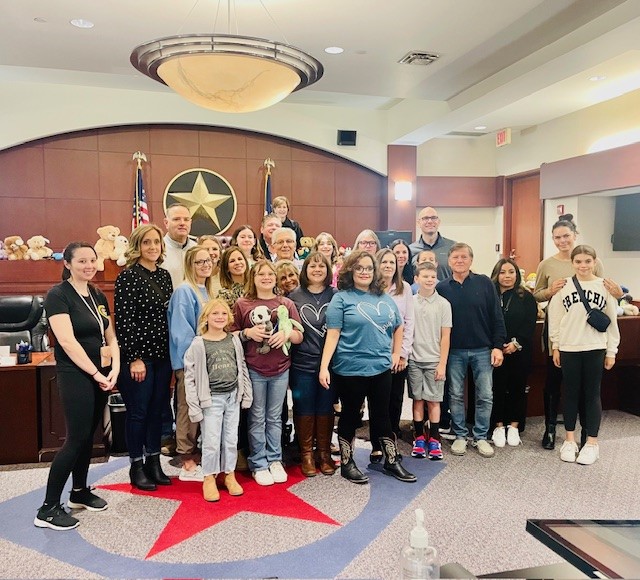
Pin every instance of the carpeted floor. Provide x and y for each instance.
(325, 527)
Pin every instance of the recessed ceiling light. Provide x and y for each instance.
(81, 23)
(480, 128)
(334, 50)
(596, 78)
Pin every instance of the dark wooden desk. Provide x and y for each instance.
(19, 417)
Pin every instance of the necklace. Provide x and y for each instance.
(317, 296)
(505, 308)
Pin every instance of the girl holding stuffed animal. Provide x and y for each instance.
(216, 384)
(581, 350)
(268, 368)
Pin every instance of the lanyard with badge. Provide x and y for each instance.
(105, 349)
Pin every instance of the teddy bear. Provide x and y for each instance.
(306, 244)
(16, 248)
(121, 245)
(262, 315)
(625, 304)
(105, 246)
(38, 248)
(3, 252)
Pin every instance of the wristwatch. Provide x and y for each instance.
(516, 343)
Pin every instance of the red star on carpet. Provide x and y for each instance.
(194, 514)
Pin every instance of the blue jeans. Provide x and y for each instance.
(219, 428)
(479, 359)
(264, 421)
(145, 402)
(310, 398)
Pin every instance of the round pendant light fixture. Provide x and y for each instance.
(225, 72)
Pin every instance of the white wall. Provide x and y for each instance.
(481, 228)
(456, 156)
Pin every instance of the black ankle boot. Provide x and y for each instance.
(549, 437)
(392, 465)
(153, 471)
(348, 468)
(139, 478)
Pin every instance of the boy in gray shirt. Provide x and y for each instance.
(428, 360)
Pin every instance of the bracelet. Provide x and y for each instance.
(94, 374)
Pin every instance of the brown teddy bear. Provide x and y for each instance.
(306, 244)
(105, 247)
(38, 248)
(16, 248)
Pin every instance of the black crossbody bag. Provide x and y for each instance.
(144, 274)
(595, 318)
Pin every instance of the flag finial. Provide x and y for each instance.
(269, 164)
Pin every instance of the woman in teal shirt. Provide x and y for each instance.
(363, 343)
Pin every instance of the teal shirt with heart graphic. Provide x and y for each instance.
(366, 323)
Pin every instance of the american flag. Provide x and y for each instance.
(267, 194)
(140, 215)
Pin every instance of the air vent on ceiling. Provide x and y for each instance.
(466, 134)
(419, 57)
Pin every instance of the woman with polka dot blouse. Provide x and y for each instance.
(142, 293)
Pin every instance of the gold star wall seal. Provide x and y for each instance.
(209, 197)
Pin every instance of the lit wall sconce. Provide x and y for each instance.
(403, 191)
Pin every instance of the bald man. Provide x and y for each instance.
(430, 239)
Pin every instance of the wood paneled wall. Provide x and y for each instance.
(66, 186)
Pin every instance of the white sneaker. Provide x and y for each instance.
(569, 451)
(192, 475)
(589, 454)
(263, 477)
(459, 447)
(498, 437)
(513, 437)
(483, 447)
(277, 472)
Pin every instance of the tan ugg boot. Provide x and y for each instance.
(232, 485)
(210, 489)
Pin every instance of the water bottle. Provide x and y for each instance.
(419, 560)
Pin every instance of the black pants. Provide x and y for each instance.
(582, 373)
(509, 390)
(396, 398)
(352, 392)
(83, 404)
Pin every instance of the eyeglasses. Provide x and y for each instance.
(203, 262)
(289, 242)
(366, 243)
(361, 269)
(429, 218)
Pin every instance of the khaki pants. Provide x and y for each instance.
(186, 431)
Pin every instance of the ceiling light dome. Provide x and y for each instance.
(227, 73)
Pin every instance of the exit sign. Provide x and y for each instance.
(503, 137)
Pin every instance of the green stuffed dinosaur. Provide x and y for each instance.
(287, 325)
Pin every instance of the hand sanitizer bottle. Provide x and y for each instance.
(419, 560)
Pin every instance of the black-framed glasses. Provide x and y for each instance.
(361, 269)
(203, 262)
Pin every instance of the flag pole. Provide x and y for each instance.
(269, 164)
(139, 157)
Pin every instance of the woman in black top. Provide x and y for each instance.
(79, 318)
(520, 312)
(142, 295)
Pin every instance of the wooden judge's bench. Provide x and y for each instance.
(31, 418)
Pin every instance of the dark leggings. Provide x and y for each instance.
(83, 404)
(582, 373)
(396, 398)
(509, 386)
(352, 392)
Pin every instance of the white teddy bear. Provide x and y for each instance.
(38, 248)
(121, 245)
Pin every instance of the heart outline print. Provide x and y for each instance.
(363, 306)
(316, 313)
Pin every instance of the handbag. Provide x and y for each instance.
(595, 318)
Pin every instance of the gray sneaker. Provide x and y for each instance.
(483, 447)
(459, 447)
